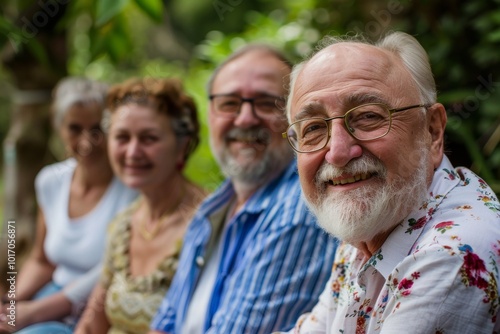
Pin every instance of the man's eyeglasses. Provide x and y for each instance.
(365, 122)
(229, 105)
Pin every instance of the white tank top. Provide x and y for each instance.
(75, 245)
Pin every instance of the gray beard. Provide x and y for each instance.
(252, 171)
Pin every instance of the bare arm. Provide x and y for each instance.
(53, 307)
(37, 270)
(60, 304)
(94, 318)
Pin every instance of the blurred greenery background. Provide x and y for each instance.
(111, 40)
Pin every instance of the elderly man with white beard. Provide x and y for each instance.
(253, 257)
(421, 238)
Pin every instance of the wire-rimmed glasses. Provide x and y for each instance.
(265, 106)
(365, 122)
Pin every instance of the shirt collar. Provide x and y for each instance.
(258, 202)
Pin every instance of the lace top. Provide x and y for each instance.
(132, 301)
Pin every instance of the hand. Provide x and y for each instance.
(17, 315)
(4, 324)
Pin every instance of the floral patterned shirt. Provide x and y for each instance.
(436, 273)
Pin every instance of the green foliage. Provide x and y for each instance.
(461, 40)
(152, 8)
(107, 10)
(466, 74)
(116, 39)
(111, 34)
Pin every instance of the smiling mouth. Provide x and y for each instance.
(349, 180)
(248, 141)
(137, 167)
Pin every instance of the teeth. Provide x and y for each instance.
(351, 179)
(247, 140)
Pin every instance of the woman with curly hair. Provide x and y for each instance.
(153, 129)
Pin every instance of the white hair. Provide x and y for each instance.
(403, 45)
(76, 90)
(415, 59)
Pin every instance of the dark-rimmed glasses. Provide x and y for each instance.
(365, 122)
(229, 105)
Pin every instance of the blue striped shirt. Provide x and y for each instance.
(275, 262)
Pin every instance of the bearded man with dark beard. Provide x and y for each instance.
(421, 238)
(253, 258)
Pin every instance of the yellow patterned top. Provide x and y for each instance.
(132, 301)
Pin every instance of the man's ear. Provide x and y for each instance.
(436, 116)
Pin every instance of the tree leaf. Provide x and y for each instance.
(118, 46)
(97, 43)
(7, 28)
(107, 9)
(152, 8)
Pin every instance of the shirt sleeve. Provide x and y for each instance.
(276, 280)
(44, 187)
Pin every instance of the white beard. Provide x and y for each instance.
(363, 213)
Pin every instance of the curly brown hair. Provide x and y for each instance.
(167, 96)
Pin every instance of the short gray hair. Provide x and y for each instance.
(72, 91)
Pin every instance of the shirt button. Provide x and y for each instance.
(200, 261)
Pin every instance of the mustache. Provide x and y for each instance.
(365, 164)
(259, 135)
